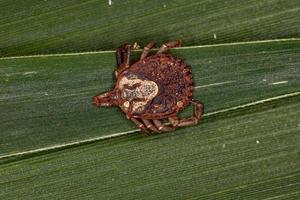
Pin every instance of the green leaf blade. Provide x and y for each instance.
(251, 153)
(40, 27)
(46, 101)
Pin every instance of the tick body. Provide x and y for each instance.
(152, 91)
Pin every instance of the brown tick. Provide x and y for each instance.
(152, 91)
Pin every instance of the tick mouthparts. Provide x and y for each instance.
(106, 99)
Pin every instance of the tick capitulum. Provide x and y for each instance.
(153, 90)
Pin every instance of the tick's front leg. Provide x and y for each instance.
(123, 58)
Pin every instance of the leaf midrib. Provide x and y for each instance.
(154, 49)
(59, 147)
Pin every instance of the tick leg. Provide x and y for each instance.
(150, 126)
(147, 50)
(119, 55)
(123, 58)
(198, 110)
(165, 47)
(141, 126)
(122, 53)
(174, 121)
(163, 127)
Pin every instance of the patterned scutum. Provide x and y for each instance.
(175, 86)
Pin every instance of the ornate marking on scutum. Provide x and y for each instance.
(137, 91)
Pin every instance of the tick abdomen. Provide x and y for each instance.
(165, 82)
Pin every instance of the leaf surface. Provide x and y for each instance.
(45, 101)
(40, 27)
(250, 153)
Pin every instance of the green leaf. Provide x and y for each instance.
(55, 145)
(39, 27)
(250, 153)
(46, 100)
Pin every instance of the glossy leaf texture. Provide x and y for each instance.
(56, 26)
(54, 144)
(47, 100)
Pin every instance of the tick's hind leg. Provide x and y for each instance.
(123, 58)
(163, 127)
(140, 125)
(150, 125)
(165, 47)
(147, 50)
(195, 119)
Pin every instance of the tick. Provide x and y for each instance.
(152, 91)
